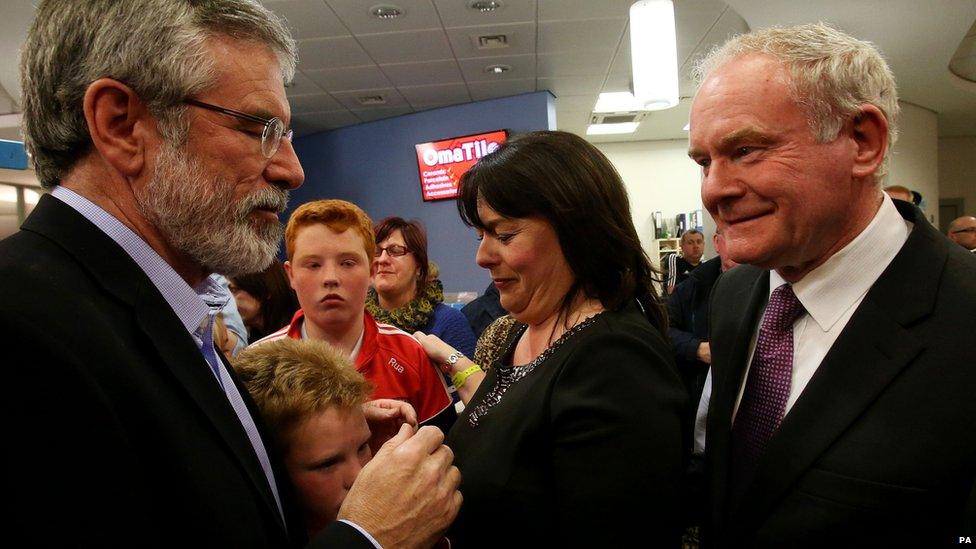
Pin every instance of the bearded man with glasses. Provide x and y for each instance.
(161, 128)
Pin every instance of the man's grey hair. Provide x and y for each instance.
(156, 47)
(831, 75)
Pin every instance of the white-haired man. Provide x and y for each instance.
(842, 409)
(161, 128)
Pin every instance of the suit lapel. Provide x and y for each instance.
(871, 351)
(183, 359)
(737, 300)
(120, 276)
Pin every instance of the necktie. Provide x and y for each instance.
(767, 389)
(209, 354)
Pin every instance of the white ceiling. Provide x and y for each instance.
(575, 48)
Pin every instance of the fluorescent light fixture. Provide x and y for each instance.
(617, 102)
(654, 54)
(606, 129)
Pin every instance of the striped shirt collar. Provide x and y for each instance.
(191, 305)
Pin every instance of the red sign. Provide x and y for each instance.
(442, 163)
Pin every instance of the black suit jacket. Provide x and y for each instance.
(880, 448)
(116, 432)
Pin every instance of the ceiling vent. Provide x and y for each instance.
(490, 41)
(616, 117)
(369, 100)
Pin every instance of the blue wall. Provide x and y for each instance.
(374, 165)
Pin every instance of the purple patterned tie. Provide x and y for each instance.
(767, 389)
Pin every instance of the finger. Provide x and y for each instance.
(442, 458)
(453, 477)
(428, 439)
(409, 415)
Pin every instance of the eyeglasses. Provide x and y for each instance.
(966, 230)
(274, 128)
(394, 250)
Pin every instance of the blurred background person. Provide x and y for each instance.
(574, 436)
(483, 310)
(311, 399)
(899, 192)
(404, 292)
(264, 299)
(680, 266)
(962, 231)
(688, 320)
(688, 331)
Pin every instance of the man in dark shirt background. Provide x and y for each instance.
(692, 248)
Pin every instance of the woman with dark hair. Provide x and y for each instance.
(265, 300)
(574, 435)
(405, 294)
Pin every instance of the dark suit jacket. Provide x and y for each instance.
(880, 448)
(115, 431)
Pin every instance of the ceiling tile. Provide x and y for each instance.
(576, 103)
(573, 36)
(331, 53)
(581, 63)
(522, 66)
(617, 83)
(435, 105)
(351, 99)
(302, 85)
(349, 78)
(420, 74)
(313, 103)
(405, 47)
(572, 121)
(571, 85)
(520, 36)
(370, 115)
(456, 13)
(308, 18)
(318, 121)
(417, 14)
(621, 64)
(438, 93)
(729, 23)
(502, 88)
(554, 10)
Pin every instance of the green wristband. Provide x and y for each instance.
(460, 377)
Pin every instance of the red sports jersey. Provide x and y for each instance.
(393, 362)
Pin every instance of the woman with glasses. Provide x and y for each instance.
(404, 294)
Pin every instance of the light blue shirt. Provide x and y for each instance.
(190, 305)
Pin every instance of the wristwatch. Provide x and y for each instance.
(453, 358)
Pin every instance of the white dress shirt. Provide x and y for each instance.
(833, 291)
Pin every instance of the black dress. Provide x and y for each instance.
(581, 447)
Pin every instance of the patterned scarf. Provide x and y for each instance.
(413, 316)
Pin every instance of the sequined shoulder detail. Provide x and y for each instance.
(506, 376)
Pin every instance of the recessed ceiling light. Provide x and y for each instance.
(485, 6)
(605, 129)
(385, 11)
(497, 69)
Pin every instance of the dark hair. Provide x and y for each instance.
(567, 181)
(278, 302)
(414, 236)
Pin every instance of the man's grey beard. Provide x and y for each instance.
(199, 218)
